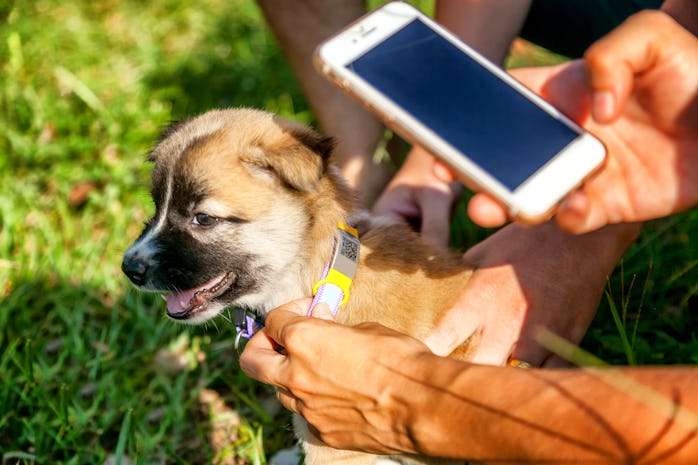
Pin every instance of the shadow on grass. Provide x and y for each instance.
(654, 292)
(79, 366)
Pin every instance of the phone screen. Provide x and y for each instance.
(474, 111)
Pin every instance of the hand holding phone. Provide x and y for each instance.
(438, 92)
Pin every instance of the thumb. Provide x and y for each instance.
(486, 211)
(322, 311)
(455, 327)
(613, 61)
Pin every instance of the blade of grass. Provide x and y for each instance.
(123, 436)
(79, 88)
(614, 377)
(620, 326)
(566, 350)
(641, 304)
(7, 457)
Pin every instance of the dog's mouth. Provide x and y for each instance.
(182, 305)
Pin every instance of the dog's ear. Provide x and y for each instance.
(321, 145)
(298, 158)
(165, 134)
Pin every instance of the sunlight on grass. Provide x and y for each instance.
(85, 360)
(86, 88)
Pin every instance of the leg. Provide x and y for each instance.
(299, 27)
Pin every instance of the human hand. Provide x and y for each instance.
(640, 91)
(527, 278)
(644, 87)
(416, 195)
(343, 380)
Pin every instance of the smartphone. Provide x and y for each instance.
(436, 91)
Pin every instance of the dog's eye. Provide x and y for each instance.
(202, 219)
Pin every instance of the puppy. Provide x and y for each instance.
(248, 211)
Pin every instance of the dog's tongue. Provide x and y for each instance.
(180, 303)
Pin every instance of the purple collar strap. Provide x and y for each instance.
(333, 287)
(246, 324)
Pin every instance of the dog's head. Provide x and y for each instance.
(230, 189)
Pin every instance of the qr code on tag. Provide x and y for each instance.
(349, 249)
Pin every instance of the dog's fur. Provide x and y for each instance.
(247, 208)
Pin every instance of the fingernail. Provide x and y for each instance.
(322, 311)
(603, 106)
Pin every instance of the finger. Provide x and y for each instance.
(498, 339)
(486, 212)
(574, 214)
(298, 306)
(612, 62)
(322, 311)
(436, 216)
(289, 401)
(536, 354)
(443, 172)
(456, 326)
(281, 317)
(564, 85)
(396, 202)
(590, 209)
(260, 361)
(534, 78)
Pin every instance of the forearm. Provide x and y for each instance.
(300, 26)
(487, 26)
(376, 390)
(507, 415)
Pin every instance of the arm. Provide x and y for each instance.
(402, 398)
(487, 26)
(505, 415)
(300, 26)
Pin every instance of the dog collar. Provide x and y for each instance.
(332, 288)
(246, 324)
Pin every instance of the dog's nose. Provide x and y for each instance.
(135, 269)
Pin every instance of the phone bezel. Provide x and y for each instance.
(536, 197)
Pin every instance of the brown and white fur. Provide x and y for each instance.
(247, 208)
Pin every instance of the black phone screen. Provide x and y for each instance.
(473, 110)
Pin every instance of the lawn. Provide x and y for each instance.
(91, 371)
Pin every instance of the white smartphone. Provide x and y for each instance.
(438, 92)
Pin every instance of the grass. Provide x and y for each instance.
(91, 372)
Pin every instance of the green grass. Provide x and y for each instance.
(87, 364)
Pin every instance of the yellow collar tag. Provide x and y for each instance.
(333, 288)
